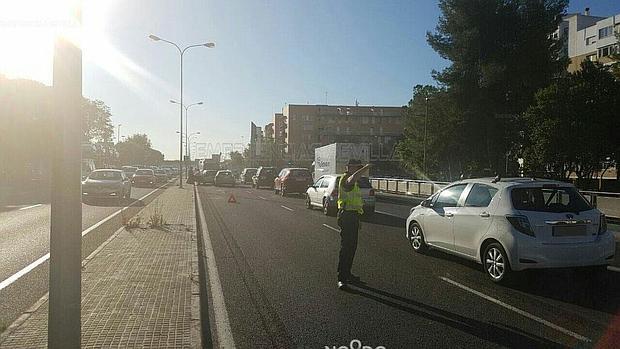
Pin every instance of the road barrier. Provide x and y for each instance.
(608, 203)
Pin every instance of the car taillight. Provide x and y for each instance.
(522, 224)
(602, 227)
(371, 192)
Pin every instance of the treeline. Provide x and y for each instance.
(507, 95)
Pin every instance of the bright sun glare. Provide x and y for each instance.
(28, 29)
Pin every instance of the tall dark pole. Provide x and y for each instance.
(424, 147)
(66, 200)
(181, 139)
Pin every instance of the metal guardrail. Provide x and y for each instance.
(608, 203)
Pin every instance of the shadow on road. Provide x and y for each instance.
(597, 291)
(383, 219)
(113, 202)
(576, 286)
(493, 332)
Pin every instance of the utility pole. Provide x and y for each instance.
(66, 200)
(424, 147)
(118, 135)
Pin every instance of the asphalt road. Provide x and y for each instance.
(24, 239)
(276, 261)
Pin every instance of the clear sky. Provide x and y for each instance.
(268, 53)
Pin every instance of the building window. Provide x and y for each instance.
(337, 129)
(606, 51)
(374, 119)
(372, 131)
(592, 58)
(590, 40)
(348, 130)
(617, 28)
(365, 120)
(308, 127)
(605, 32)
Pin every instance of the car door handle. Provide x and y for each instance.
(449, 214)
(485, 214)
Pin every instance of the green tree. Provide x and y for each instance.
(615, 68)
(573, 124)
(442, 141)
(501, 53)
(136, 150)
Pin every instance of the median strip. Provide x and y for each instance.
(518, 311)
(11, 279)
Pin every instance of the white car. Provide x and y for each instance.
(324, 193)
(513, 224)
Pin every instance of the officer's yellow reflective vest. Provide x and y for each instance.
(350, 200)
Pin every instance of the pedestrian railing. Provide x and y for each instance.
(608, 203)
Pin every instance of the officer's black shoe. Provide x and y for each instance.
(342, 285)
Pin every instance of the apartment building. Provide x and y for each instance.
(589, 38)
(310, 126)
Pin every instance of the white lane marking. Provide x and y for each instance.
(260, 197)
(611, 268)
(286, 208)
(248, 191)
(32, 206)
(519, 311)
(222, 324)
(388, 214)
(11, 279)
(330, 227)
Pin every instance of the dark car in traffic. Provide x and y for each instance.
(161, 176)
(292, 180)
(224, 177)
(264, 177)
(144, 177)
(206, 177)
(106, 183)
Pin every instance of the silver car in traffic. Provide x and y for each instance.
(106, 183)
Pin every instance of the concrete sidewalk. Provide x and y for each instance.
(139, 289)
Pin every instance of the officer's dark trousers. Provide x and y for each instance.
(349, 227)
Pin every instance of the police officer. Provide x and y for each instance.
(350, 208)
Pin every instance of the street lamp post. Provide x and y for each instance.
(186, 122)
(118, 135)
(189, 139)
(181, 53)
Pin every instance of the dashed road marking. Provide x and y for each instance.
(31, 206)
(388, 214)
(260, 197)
(286, 208)
(11, 279)
(330, 227)
(518, 311)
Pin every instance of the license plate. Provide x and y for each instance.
(569, 230)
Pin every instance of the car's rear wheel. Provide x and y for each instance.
(495, 262)
(328, 210)
(416, 238)
(282, 191)
(308, 202)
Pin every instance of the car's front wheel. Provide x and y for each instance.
(495, 262)
(328, 210)
(416, 238)
(308, 202)
(282, 191)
